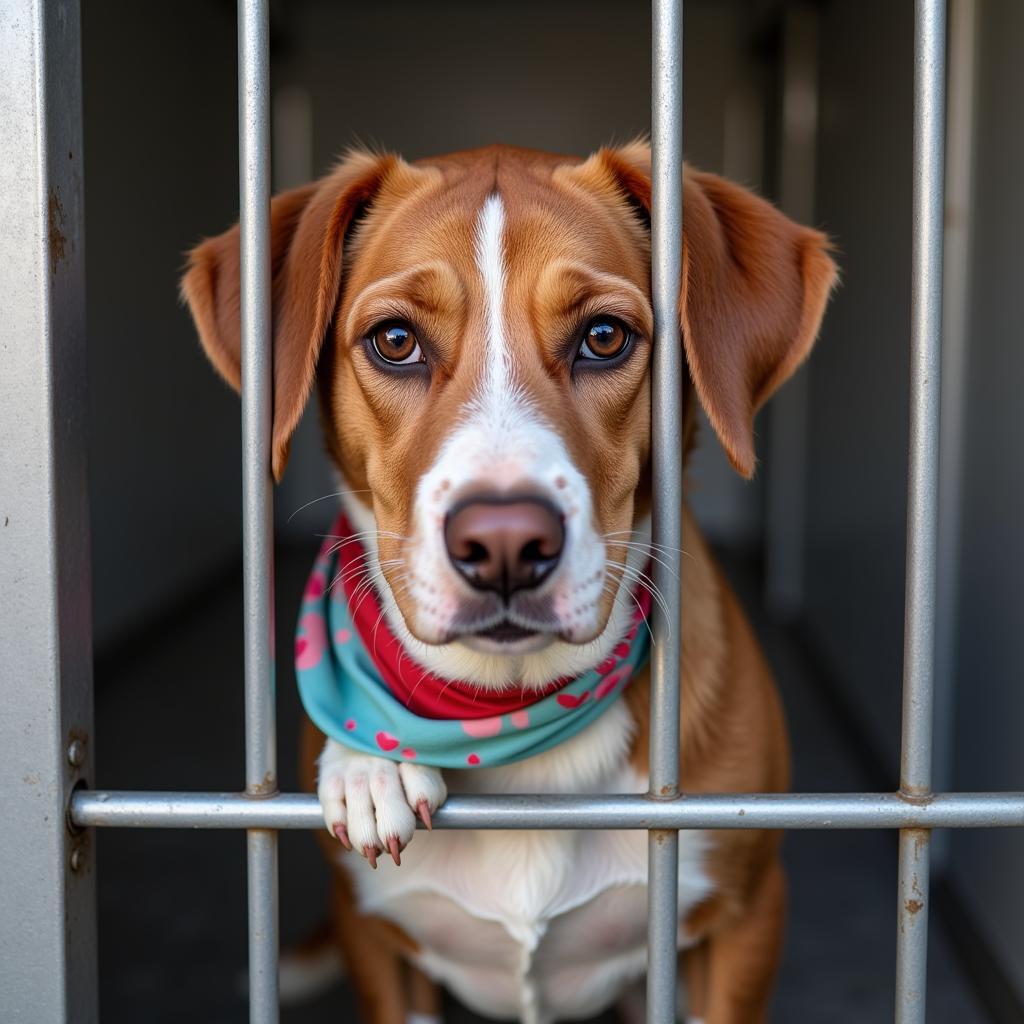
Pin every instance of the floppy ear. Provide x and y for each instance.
(307, 231)
(753, 293)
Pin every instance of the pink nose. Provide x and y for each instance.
(504, 544)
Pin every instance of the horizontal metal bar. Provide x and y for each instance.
(109, 809)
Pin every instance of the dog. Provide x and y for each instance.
(479, 329)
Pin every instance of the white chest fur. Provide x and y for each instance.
(535, 926)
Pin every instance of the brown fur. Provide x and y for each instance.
(752, 295)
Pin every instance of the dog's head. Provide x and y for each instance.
(480, 326)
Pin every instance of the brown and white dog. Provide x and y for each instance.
(479, 326)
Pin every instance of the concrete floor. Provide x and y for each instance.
(172, 904)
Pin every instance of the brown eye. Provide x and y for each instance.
(396, 343)
(605, 338)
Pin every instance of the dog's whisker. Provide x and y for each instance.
(401, 584)
(365, 587)
(324, 497)
(665, 549)
(652, 557)
(653, 591)
(426, 672)
(345, 538)
(348, 574)
(641, 580)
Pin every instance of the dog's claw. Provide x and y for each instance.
(423, 809)
(373, 806)
(342, 833)
(394, 850)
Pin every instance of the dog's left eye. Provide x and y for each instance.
(396, 343)
(605, 338)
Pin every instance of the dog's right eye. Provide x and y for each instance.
(396, 343)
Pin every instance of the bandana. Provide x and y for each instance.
(361, 688)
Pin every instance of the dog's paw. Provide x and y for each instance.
(371, 804)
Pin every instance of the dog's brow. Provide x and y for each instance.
(427, 287)
(570, 290)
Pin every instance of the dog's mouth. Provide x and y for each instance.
(507, 637)
(506, 632)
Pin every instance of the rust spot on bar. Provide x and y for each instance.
(268, 787)
(58, 240)
(661, 834)
(914, 906)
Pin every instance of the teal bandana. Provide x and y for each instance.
(360, 688)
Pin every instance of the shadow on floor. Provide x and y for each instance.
(172, 941)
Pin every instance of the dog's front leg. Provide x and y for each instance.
(743, 956)
(371, 804)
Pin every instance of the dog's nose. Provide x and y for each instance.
(504, 544)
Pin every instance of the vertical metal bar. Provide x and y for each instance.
(922, 512)
(912, 931)
(47, 899)
(956, 308)
(667, 445)
(257, 496)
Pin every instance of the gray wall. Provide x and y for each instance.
(859, 370)
(160, 171)
(988, 749)
(858, 428)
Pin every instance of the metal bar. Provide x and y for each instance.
(912, 936)
(111, 809)
(956, 312)
(925, 357)
(257, 498)
(922, 510)
(667, 468)
(262, 895)
(47, 899)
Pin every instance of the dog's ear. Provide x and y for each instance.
(307, 231)
(753, 292)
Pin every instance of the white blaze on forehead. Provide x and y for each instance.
(490, 261)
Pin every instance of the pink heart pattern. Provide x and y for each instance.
(611, 681)
(386, 741)
(570, 700)
(311, 645)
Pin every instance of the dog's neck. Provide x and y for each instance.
(455, 660)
